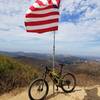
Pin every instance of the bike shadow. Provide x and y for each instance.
(58, 92)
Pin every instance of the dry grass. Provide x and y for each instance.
(14, 74)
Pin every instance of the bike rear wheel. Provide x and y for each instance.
(38, 89)
(68, 82)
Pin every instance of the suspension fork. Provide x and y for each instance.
(40, 88)
(44, 78)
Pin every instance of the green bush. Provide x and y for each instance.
(14, 74)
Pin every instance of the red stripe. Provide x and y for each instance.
(44, 30)
(44, 8)
(41, 22)
(40, 3)
(41, 15)
(50, 2)
(57, 1)
(32, 7)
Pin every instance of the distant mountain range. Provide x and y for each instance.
(47, 57)
(23, 54)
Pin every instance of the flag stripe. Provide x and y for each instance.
(42, 26)
(50, 2)
(44, 1)
(41, 19)
(42, 8)
(54, 2)
(40, 22)
(36, 5)
(40, 3)
(43, 11)
(41, 15)
(44, 30)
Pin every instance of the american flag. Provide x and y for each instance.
(42, 16)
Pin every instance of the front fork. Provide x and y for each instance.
(40, 88)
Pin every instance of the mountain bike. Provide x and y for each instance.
(39, 88)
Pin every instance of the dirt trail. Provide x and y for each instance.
(80, 93)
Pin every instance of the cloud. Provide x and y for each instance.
(80, 20)
(78, 33)
(78, 10)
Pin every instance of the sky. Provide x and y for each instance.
(78, 34)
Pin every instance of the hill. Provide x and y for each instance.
(87, 71)
(18, 69)
(14, 74)
(67, 59)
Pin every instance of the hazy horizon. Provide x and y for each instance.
(77, 55)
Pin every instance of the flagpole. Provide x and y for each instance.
(53, 55)
(53, 50)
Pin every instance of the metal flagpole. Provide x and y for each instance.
(53, 55)
(54, 50)
(54, 33)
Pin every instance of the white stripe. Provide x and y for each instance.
(45, 11)
(41, 26)
(28, 11)
(36, 5)
(41, 19)
(44, 1)
(54, 2)
(42, 11)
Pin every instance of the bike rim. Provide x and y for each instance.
(38, 90)
(68, 82)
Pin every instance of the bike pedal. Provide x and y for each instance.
(57, 89)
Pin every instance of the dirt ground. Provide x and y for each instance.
(80, 93)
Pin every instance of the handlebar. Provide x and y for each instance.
(47, 69)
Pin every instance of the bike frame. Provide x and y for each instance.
(55, 79)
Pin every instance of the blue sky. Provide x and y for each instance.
(78, 34)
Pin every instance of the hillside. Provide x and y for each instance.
(18, 70)
(67, 59)
(14, 74)
(87, 72)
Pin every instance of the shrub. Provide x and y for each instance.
(14, 74)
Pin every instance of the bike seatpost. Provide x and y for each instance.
(61, 67)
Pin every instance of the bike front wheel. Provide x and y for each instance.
(68, 82)
(38, 89)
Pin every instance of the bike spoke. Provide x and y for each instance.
(38, 90)
(68, 83)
